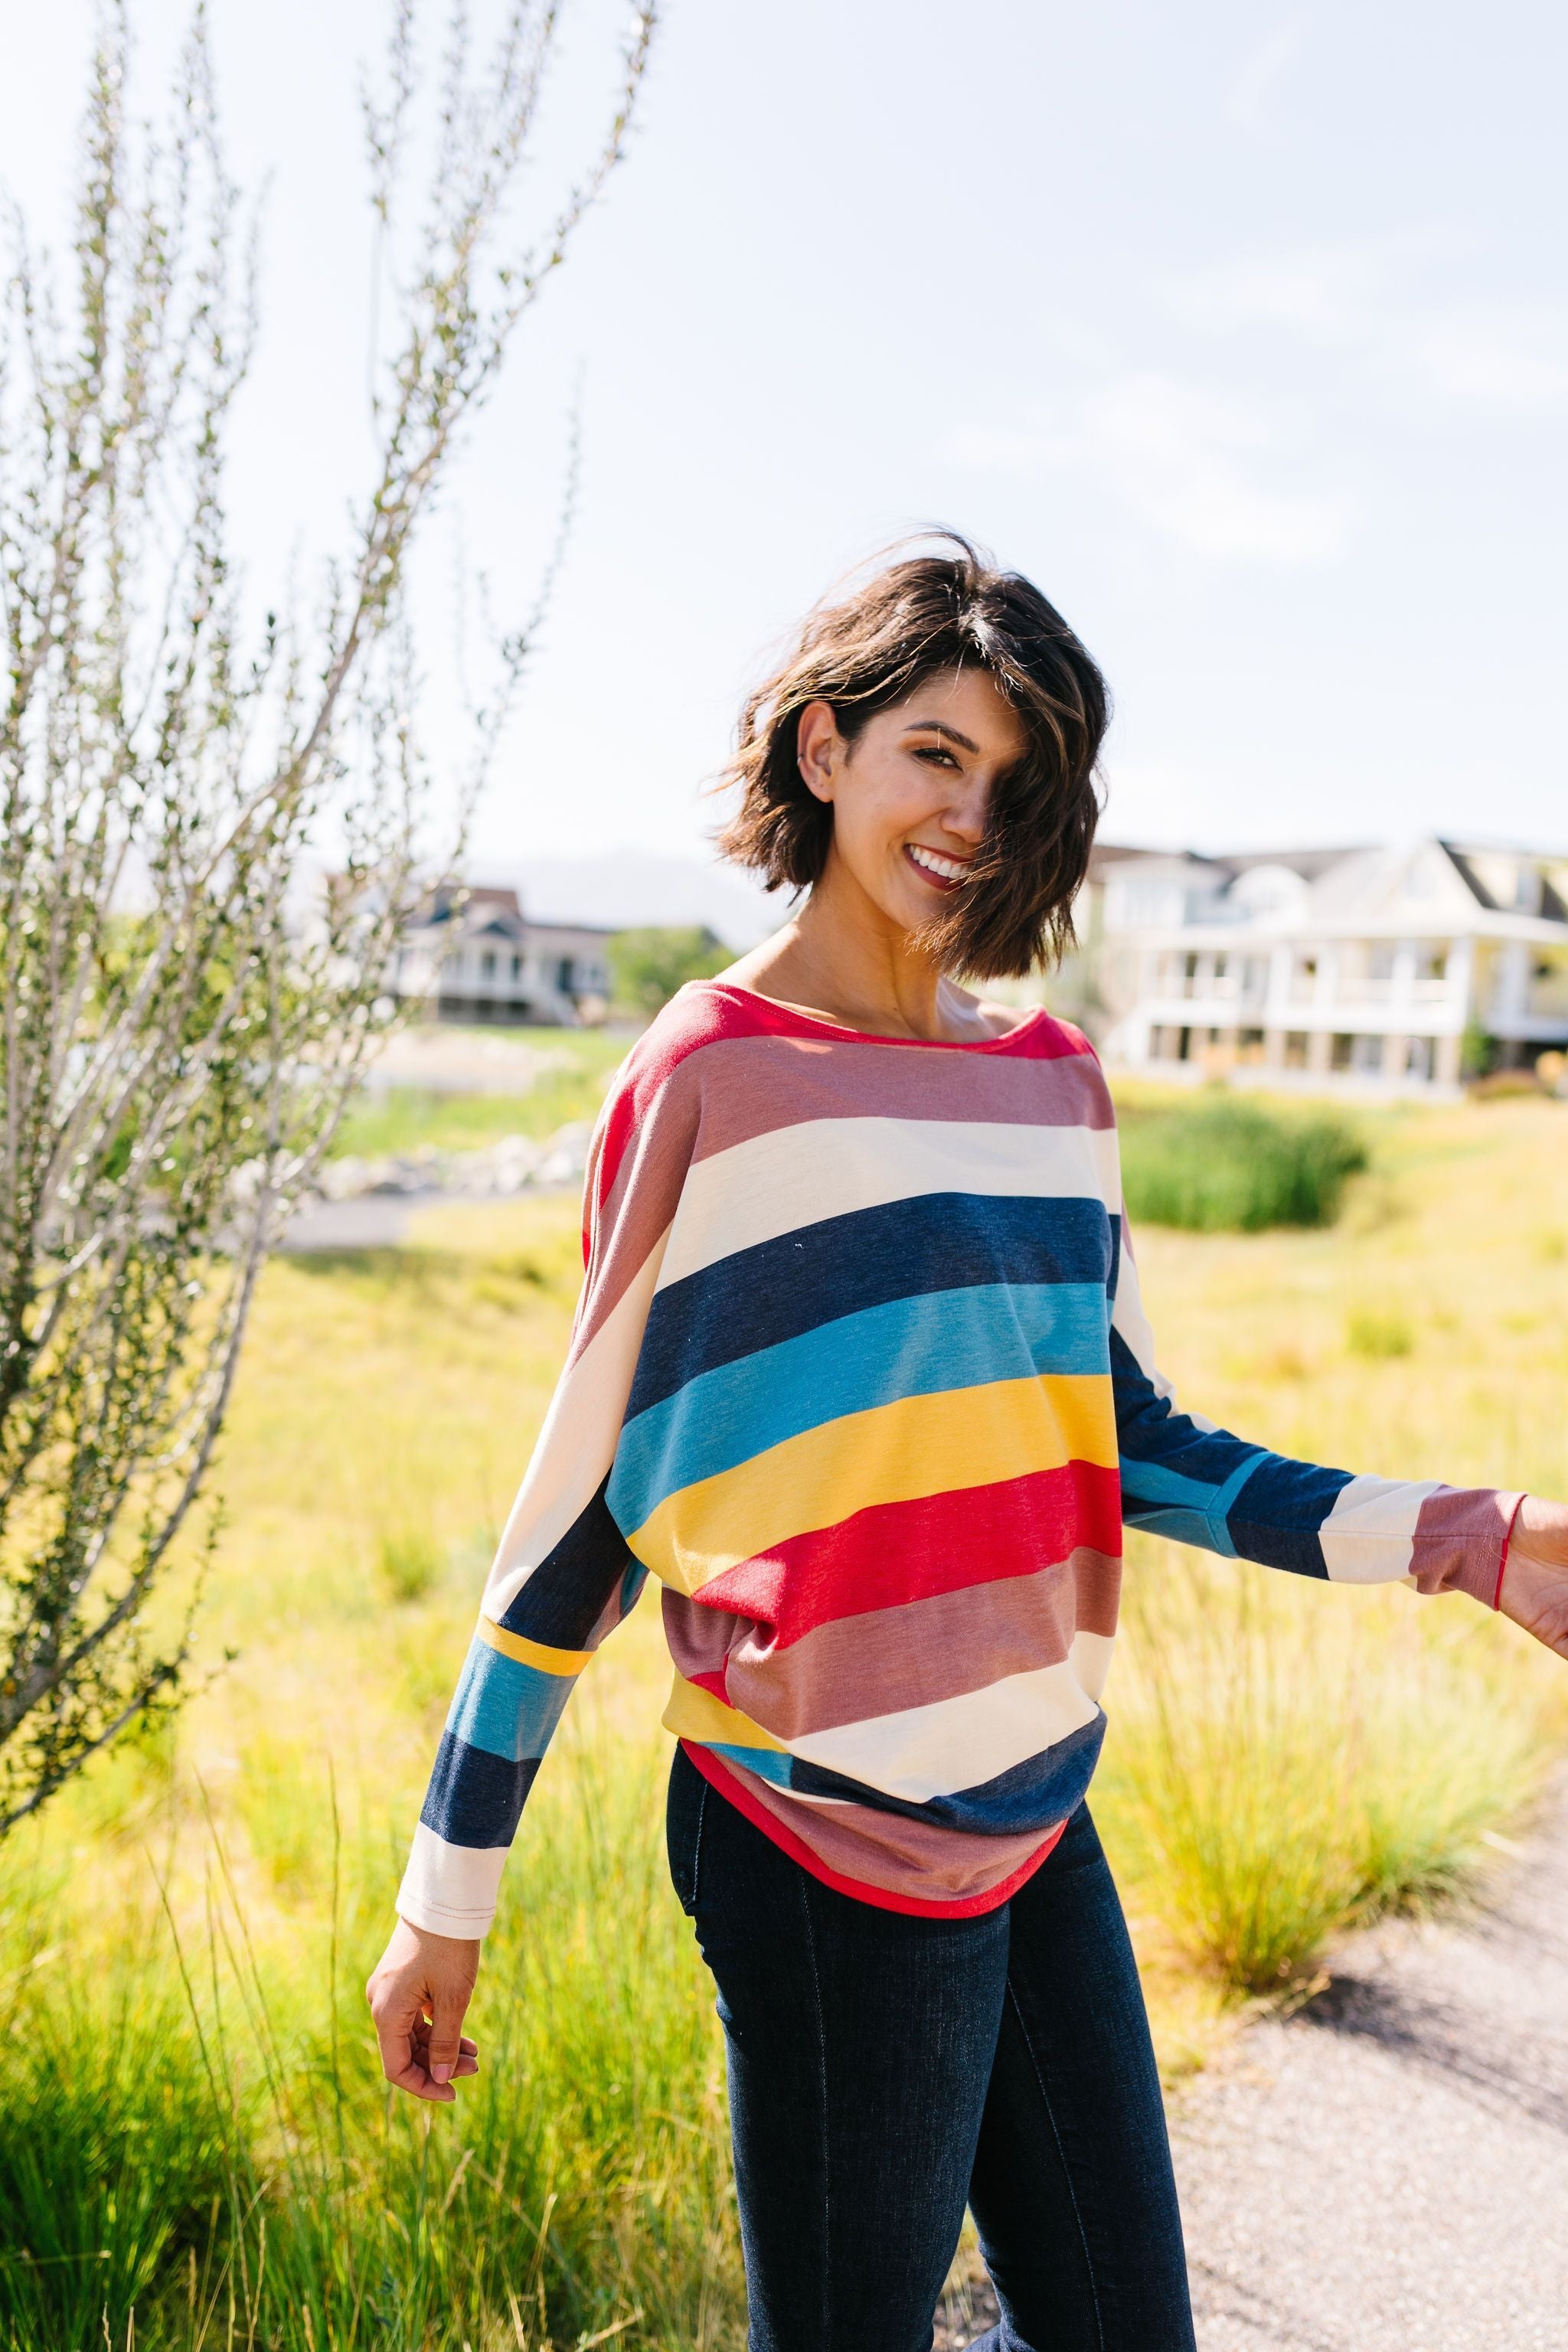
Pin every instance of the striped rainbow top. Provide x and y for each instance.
(860, 1372)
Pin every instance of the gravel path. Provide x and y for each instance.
(1388, 2170)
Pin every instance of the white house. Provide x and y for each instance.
(473, 955)
(1360, 969)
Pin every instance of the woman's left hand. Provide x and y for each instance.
(1535, 1580)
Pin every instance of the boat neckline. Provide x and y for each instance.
(817, 1022)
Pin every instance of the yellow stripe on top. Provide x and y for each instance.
(532, 1654)
(694, 1713)
(893, 1454)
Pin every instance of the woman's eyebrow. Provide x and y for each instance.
(940, 726)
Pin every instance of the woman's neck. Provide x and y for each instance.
(845, 963)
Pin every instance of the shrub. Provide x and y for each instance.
(1378, 1336)
(647, 966)
(1231, 1166)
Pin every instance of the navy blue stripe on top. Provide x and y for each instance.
(868, 1257)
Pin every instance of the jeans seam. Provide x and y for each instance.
(804, 1889)
(1067, 2169)
(697, 1848)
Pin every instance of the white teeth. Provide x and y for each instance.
(949, 869)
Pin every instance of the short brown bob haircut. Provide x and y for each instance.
(922, 615)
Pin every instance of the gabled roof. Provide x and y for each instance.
(1471, 858)
(1223, 865)
(483, 913)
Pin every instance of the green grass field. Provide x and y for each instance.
(196, 2152)
(571, 1087)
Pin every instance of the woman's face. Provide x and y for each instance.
(909, 796)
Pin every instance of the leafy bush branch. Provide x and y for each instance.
(180, 1019)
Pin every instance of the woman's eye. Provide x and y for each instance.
(935, 755)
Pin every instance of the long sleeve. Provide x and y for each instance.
(1185, 1478)
(563, 1577)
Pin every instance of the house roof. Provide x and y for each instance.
(1225, 865)
(1469, 861)
(1421, 889)
(487, 913)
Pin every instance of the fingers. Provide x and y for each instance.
(402, 2060)
(417, 1999)
(405, 2061)
(444, 2050)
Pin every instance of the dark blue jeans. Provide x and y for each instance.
(884, 2071)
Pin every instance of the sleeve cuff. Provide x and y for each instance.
(451, 1890)
(1467, 1549)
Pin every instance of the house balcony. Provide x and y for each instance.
(1547, 997)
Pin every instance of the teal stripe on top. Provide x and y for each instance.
(504, 1706)
(909, 1347)
(1188, 1510)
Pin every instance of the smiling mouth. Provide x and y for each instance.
(942, 873)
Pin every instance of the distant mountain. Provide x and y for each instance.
(624, 888)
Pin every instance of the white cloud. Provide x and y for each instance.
(1368, 299)
(1514, 363)
(1202, 467)
(1261, 74)
(1326, 293)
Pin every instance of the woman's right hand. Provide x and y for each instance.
(1535, 1582)
(418, 1995)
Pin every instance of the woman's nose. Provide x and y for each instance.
(965, 818)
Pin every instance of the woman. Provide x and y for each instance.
(860, 1372)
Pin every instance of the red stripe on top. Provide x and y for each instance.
(690, 1020)
(1039, 1034)
(882, 1898)
(1507, 1547)
(895, 1552)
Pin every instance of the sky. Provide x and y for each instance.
(1242, 330)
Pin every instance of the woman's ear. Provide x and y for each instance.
(819, 748)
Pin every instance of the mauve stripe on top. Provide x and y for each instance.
(917, 1866)
(852, 1669)
(759, 1085)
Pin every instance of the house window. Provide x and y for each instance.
(517, 966)
(1184, 1045)
(1342, 1053)
(1249, 1046)
(1420, 1057)
(1294, 1049)
(488, 964)
(566, 975)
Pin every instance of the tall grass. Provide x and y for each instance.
(1285, 1761)
(201, 2151)
(1227, 1165)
